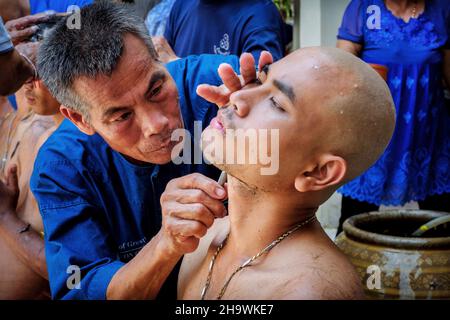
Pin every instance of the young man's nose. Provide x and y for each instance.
(241, 102)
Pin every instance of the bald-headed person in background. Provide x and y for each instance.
(335, 117)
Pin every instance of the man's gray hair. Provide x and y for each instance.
(93, 50)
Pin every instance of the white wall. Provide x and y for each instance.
(319, 21)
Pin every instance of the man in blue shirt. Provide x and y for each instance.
(225, 27)
(98, 179)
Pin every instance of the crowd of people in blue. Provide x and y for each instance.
(95, 209)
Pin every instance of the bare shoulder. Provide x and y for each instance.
(192, 262)
(323, 273)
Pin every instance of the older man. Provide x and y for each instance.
(98, 179)
(270, 246)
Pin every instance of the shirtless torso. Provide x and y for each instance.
(26, 135)
(306, 265)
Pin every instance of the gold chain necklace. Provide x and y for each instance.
(249, 261)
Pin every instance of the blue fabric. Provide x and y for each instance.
(5, 40)
(98, 209)
(416, 163)
(38, 6)
(225, 27)
(157, 18)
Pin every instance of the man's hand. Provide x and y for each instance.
(189, 206)
(29, 49)
(23, 28)
(231, 81)
(9, 192)
(164, 50)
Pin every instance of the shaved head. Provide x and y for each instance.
(355, 102)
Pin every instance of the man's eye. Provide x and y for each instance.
(275, 104)
(155, 91)
(123, 117)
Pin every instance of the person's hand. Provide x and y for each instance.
(220, 95)
(189, 206)
(164, 50)
(29, 49)
(9, 191)
(23, 28)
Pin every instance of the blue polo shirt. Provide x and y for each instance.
(225, 27)
(99, 209)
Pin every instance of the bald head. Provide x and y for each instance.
(353, 102)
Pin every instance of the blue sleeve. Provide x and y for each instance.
(74, 228)
(5, 40)
(351, 28)
(264, 31)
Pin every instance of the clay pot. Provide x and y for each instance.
(382, 70)
(379, 244)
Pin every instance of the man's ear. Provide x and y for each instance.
(329, 171)
(78, 120)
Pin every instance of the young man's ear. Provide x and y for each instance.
(327, 172)
(78, 120)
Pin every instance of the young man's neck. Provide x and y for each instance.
(257, 217)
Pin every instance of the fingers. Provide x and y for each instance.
(25, 22)
(18, 36)
(201, 182)
(247, 67)
(185, 228)
(229, 77)
(264, 59)
(192, 211)
(217, 95)
(195, 196)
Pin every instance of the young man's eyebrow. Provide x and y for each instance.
(286, 89)
(156, 76)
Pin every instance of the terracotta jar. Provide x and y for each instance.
(379, 244)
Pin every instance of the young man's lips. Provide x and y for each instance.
(217, 124)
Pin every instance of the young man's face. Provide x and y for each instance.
(281, 101)
(40, 99)
(136, 109)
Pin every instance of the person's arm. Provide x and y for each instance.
(26, 243)
(351, 47)
(17, 66)
(350, 34)
(15, 72)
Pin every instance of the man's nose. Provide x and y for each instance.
(154, 123)
(241, 101)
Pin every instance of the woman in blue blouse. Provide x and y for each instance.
(412, 39)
